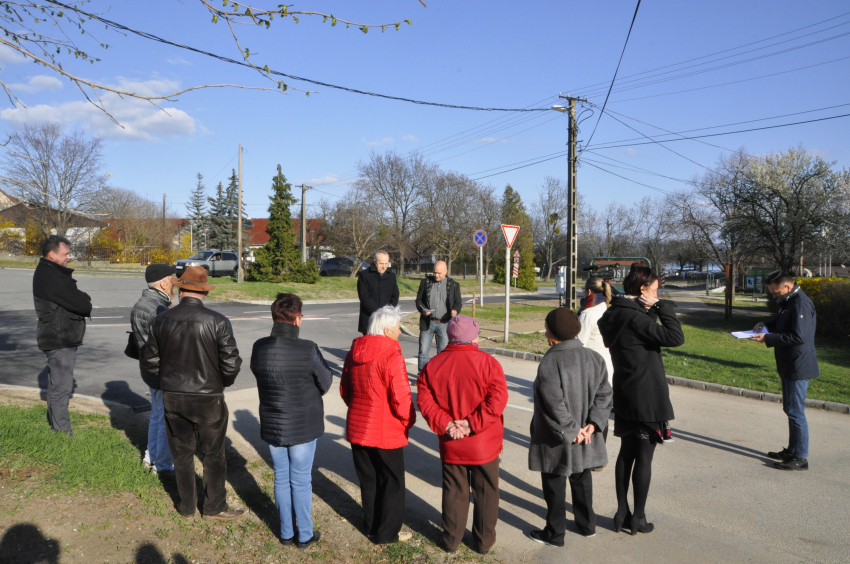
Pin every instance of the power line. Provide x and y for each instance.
(153, 37)
(629, 179)
(615, 77)
(633, 168)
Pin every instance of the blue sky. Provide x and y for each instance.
(473, 52)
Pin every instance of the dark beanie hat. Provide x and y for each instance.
(156, 272)
(563, 323)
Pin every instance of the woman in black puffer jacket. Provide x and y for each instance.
(642, 408)
(292, 376)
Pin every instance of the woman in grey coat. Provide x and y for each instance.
(572, 401)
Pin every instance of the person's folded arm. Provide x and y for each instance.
(322, 373)
(369, 303)
(229, 361)
(64, 292)
(668, 334)
(490, 410)
(438, 419)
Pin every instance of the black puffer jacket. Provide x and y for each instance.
(292, 377)
(190, 350)
(634, 338)
(792, 336)
(60, 306)
(375, 291)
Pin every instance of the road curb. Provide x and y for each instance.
(699, 385)
(356, 300)
(108, 403)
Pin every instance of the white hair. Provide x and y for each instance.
(154, 284)
(385, 253)
(387, 317)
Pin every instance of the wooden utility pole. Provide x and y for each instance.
(730, 287)
(304, 189)
(165, 244)
(240, 272)
(570, 292)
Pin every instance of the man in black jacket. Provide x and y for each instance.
(438, 300)
(62, 310)
(792, 336)
(191, 356)
(376, 287)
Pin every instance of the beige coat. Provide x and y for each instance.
(591, 338)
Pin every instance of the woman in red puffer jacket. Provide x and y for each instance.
(375, 388)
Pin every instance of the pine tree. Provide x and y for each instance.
(280, 260)
(220, 234)
(232, 196)
(197, 208)
(513, 213)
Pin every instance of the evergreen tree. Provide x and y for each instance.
(232, 196)
(197, 208)
(280, 260)
(513, 213)
(220, 234)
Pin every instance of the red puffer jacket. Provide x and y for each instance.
(463, 382)
(375, 388)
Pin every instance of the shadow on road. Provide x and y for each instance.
(720, 445)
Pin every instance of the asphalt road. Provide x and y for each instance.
(103, 371)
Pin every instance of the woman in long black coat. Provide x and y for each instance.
(642, 410)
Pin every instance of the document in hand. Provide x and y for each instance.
(748, 334)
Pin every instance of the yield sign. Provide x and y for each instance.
(510, 232)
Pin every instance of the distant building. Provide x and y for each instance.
(257, 236)
(79, 228)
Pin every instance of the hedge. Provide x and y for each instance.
(831, 297)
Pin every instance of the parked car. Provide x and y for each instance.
(340, 266)
(217, 263)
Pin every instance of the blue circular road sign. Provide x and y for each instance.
(480, 238)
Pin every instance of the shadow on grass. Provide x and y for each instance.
(150, 554)
(24, 544)
(730, 363)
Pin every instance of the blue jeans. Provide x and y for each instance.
(793, 404)
(293, 489)
(158, 454)
(434, 328)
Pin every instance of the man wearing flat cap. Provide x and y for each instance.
(191, 356)
(155, 299)
(462, 393)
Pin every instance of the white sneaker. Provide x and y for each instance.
(405, 536)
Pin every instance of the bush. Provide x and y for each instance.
(831, 297)
(304, 273)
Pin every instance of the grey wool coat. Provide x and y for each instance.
(571, 390)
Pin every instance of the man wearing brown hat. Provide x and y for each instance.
(462, 393)
(155, 299)
(191, 356)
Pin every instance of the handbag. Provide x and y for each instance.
(132, 348)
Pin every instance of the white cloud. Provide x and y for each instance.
(37, 84)
(631, 152)
(410, 137)
(10, 56)
(140, 119)
(177, 61)
(384, 141)
(822, 153)
(329, 178)
(490, 140)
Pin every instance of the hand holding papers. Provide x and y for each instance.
(749, 334)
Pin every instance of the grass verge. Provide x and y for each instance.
(711, 354)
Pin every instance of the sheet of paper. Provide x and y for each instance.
(748, 334)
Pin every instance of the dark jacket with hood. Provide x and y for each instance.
(634, 338)
(60, 306)
(375, 291)
(423, 301)
(190, 350)
(792, 336)
(292, 376)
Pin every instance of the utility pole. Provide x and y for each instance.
(572, 201)
(240, 272)
(165, 244)
(304, 189)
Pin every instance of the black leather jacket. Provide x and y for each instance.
(190, 350)
(423, 299)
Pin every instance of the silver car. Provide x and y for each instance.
(217, 263)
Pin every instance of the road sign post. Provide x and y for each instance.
(510, 233)
(480, 239)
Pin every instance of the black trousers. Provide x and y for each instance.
(484, 479)
(381, 475)
(555, 495)
(193, 419)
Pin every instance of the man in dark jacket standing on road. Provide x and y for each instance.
(376, 287)
(156, 298)
(792, 336)
(62, 310)
(438, 301)
(191, 356)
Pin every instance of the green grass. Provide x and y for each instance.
(493, 313)
(744, 302)
(97, 458)
(328, 288)
(711, 354)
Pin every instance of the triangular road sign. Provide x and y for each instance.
(510, 232)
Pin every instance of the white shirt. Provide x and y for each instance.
(592, 338)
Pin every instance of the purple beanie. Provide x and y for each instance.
(462, 328)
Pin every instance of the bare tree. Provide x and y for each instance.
(352, 228)
(486, 215)
(59, 172)
(397, 182)
(137, 219)
(657, 217)
(447, 205)
(549, 214)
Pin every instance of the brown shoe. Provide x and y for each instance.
(228, 513)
